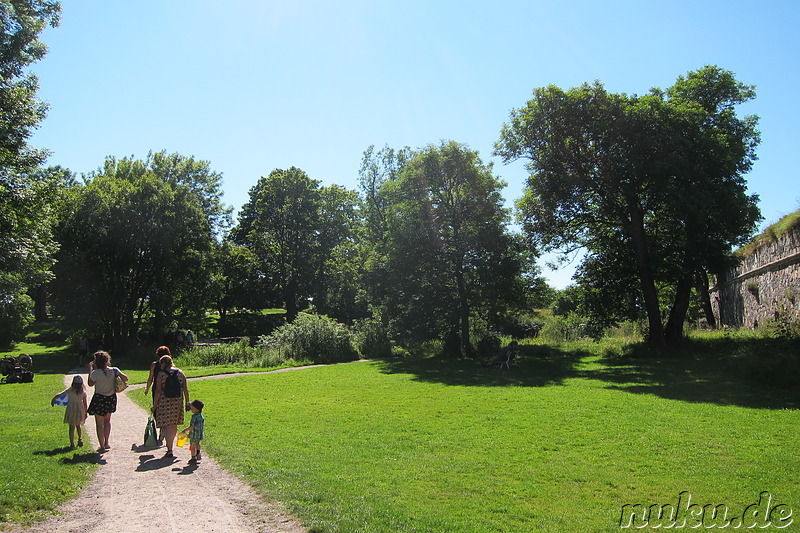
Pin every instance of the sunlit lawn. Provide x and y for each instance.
(37, 469)
(559, 443)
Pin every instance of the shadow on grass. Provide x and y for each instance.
(54, 451)
(93, 458)
(538, 366)
(87, 457)
(754, 373)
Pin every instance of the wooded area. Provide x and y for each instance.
(652, 187)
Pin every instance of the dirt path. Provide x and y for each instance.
(137, 490)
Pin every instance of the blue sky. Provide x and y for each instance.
(256, 85)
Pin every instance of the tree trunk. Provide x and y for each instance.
(463, 312)
(290, 299)
(649, 293)
(40, 303)
(158, 327)
(705, 299)
(677, 316)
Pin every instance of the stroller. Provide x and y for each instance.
(17, 369)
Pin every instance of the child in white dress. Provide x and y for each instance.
(75, 415)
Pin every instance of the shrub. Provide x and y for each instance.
(315, 338)
(238, 354)
(371, 339)
(785, 327)
(488, 345)
(519, 325)
(556, 328)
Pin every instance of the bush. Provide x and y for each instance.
(785, 327)
(556, 328)
(238, 353)
(519, 325)
(15, 316)
(489, 345)
(315, 338)
(371, 339)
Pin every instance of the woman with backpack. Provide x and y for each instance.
(170, 401)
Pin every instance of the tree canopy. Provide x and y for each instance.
(134, 242)
(447, 255)
(657, 178)
(27, 191)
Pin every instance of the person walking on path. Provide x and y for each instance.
(155, 369)
(76, 409)
(170, 401)
(152, 379)
(104, 400)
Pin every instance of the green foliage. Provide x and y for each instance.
(651, 186)
(294, 229)
(27, 192)
(488, 345)
(15, 316)
(786, 327)
(315, 338)
(371, 339)
(773, 231)
(134, 242)
(238, 354)
(519, 325)
(444, 254)
(557, 328)
(21, 22)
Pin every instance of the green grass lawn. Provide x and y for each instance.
(38, 471)
(559, 443)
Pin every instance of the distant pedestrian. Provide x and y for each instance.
(196, 429)
(83, 350)
(104, 400)
(76, 412)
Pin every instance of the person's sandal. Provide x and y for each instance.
(168, 455)
(80, 443)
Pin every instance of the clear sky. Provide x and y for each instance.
(255, 85)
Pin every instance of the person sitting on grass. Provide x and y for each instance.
(507, 355)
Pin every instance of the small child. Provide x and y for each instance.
(195, 429)
(75, 414)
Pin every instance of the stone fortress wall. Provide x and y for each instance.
(764, 286)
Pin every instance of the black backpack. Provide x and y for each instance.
(172, 385)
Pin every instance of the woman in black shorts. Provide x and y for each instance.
(104, 400)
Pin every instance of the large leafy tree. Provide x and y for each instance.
(134, 242)
(26, 191)
(654, 181)
(295, 227)
(234, 281)
(447, 255)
